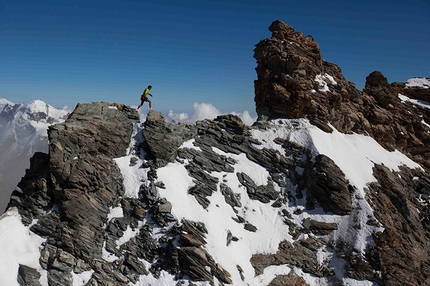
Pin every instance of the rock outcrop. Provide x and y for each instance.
(80, 182)
(293, 81)
(403, 245)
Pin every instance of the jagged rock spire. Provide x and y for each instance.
(293, 81)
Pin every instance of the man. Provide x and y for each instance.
(144, 97)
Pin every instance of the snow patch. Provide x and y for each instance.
(82, 279)
(323, 80)
(426, 124)
(355, 155)
(133, 173)
(419, 102)
(115, 212)
(21, 247)
(418, 82)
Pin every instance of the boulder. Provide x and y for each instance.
(326, 184)
(302, 255)
(158, 130)
(28, 276)
(195, 261)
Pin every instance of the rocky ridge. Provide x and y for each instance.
(68, 195)
(293, 81)
(71, 197)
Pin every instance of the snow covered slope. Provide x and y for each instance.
(354, 154)
(23, 131)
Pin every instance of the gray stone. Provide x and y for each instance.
(57, 277)
(264, 193)
(327, 185)
(230, 197)
(28, 276)
(63, 261)
(318, 227)
(297, 254)
(158, 130)
(195, 262)
(250, 227)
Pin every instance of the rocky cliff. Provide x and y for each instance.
(122, 202)
(293, 81)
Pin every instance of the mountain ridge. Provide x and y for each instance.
(296, 199)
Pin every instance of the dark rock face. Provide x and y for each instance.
(293, 81)
(288, 64)
(302, 255)
(400, 125)
(377, 86)
(80, 181)
(83, 188)
(162, 139)
(326, 182)
(28, 276)
(403, 245)
(194, 260)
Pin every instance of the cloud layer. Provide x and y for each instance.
(207, 111)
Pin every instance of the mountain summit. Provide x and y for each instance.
(302, 197)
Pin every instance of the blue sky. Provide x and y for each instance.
(65, 52)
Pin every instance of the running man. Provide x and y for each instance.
(144, 97)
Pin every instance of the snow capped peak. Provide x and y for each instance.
(38, 106)
(418, 82)
(28, 120)
(4, 101)
(38, 111)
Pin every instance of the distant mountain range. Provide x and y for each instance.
(23, 131)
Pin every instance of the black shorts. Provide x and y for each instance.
(142, 100)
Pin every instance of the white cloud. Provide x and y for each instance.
(177, 117)
(246, 117)
(207, 111)
(204, 111)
